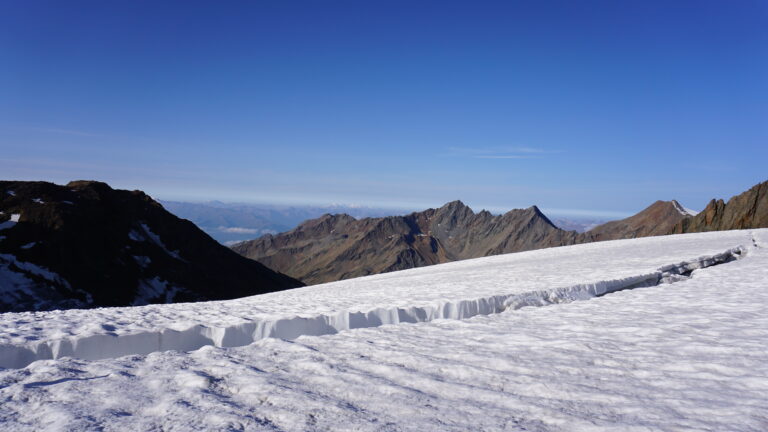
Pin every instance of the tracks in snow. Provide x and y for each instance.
(109, 346)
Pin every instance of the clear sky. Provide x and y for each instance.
(580, 107)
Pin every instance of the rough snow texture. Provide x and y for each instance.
(456, 290)
(688, 356)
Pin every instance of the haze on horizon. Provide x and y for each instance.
(594, 108)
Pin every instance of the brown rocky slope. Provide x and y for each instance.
(657, 219)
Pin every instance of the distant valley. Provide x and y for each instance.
(230, 223)
(577, 224)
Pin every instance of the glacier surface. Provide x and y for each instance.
(685, 356)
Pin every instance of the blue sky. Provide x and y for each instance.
(589, 107)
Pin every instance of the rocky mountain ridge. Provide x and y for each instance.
(335, 247)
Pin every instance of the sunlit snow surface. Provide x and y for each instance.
(686, 356)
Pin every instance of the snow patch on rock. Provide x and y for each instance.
(149, 290)
(142, 261)
(34, 269)
(21, 281)
(11, 222)
(146, 234)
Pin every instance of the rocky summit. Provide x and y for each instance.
(87, 245)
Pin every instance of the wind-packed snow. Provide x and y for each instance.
(686, 356)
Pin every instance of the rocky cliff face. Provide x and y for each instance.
(337, 247)
(747, 210)
(86, 244)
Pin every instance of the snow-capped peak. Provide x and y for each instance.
(684, 211)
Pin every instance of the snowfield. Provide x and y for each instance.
(455, 290)
(463, 352)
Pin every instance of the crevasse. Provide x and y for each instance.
(102, 346)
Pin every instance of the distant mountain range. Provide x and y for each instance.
(577, 224)
(86, 244)
(335, 247)
(234, 222)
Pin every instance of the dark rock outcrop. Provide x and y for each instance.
(86, 245)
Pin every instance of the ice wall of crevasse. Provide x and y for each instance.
(102, 346)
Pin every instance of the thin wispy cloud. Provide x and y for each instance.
(239, 230)
(508, 157)
(68, 132)
(49, 130)
(499, 152)
(526, 150)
